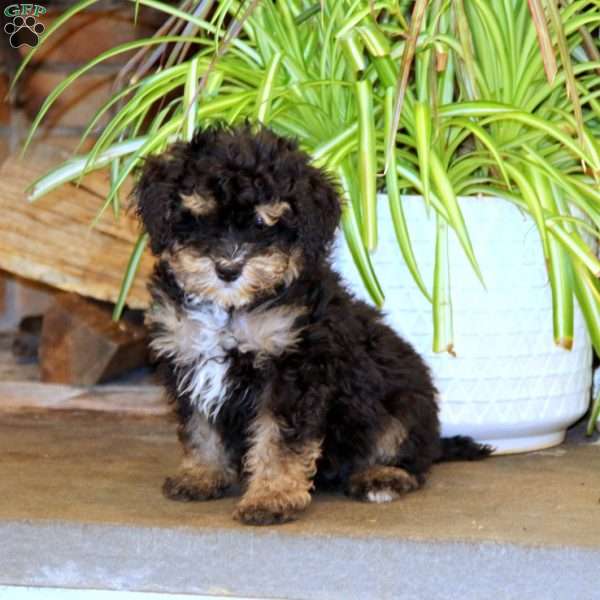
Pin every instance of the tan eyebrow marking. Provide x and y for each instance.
(271, 213)
(199, 205)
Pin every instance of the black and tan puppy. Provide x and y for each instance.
(279, 375)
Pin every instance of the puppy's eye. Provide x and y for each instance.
(259, 222)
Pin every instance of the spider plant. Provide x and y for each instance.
(503, 129)
(433, 97)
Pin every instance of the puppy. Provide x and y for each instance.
(280, 377)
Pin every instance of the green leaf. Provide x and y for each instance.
(354, 240)
(367, 163)
(151, 144)
(308, 13)
(559, 267)
(264, 97)
(487, 140)
(496, 111)
(332, 145)
(414, 181)
(355, 18)
(136, 109)
(522, 175)
(130, 273)
(353, 51)
(443, 330)
(581, 194)
(110, 103)
(422, 116)
(386, 70)
(75, 168)
(575, 245)
(375, 40)
(60, 88)
(114, 171)
(455, 216)
(468, 73)
(190, 99)
(396, 210)
(588, 296)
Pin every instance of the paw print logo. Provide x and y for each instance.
(24, 31)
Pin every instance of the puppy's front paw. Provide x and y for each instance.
(262, 515)
(271, 509)
(190, 485)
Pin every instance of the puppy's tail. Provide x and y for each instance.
(461, 447)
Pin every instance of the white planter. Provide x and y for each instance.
(508, 385)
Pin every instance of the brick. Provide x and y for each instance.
(3, 293)
(4, 147)
(4, 106)
(75, 107)
(4, 119)
(32, 298)
(81, 344)
(21, 298)
(13, 134)
(90, 33)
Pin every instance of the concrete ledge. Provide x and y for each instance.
(275, 565)
(11, 592)
(80, 506)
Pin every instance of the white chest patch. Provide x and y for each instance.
(199, 339)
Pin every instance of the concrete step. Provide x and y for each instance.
(12, 592)
(80, 507)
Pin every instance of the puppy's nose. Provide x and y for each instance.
(228, 272)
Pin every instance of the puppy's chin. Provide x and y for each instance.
(261, 276)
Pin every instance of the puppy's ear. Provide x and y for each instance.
(157, 195)
(320, 212)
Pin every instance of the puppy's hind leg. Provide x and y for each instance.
(380, 483)
(206, 470)
(382, 480)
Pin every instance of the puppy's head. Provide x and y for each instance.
(236, 215)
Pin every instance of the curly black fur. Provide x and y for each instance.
(346, 382)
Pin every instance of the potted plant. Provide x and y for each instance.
(507, 384)
(472, 123)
